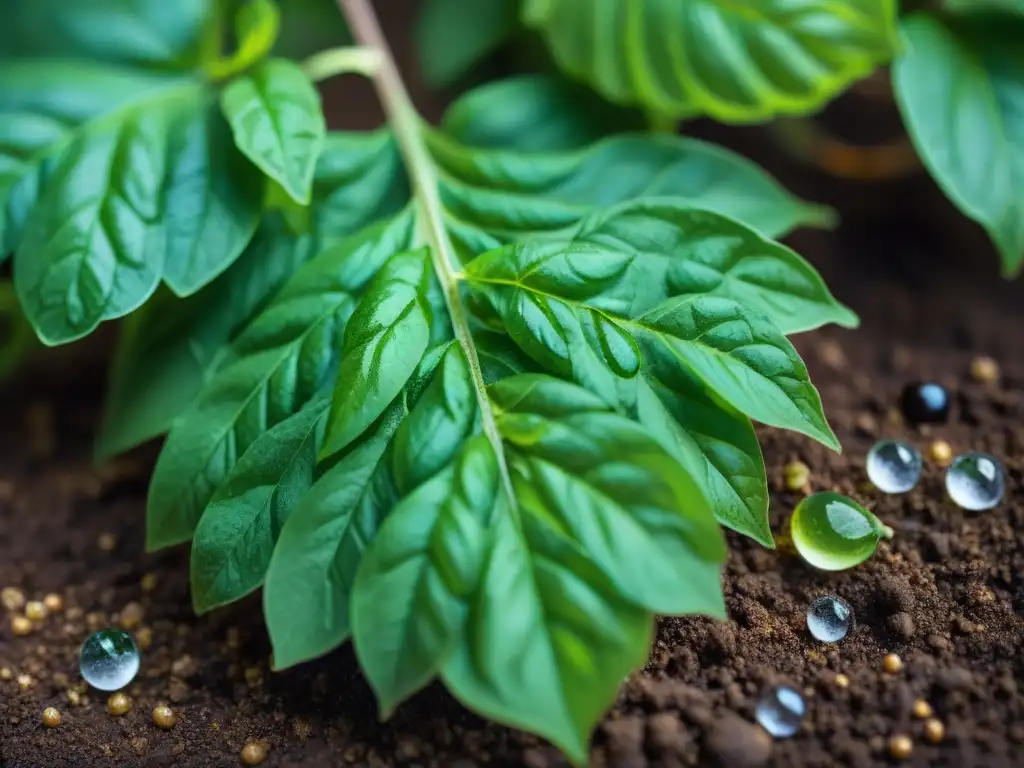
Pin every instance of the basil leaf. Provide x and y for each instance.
(521, 659)
(235, 537)
(455, 35)
(959, 87)
(739, 354)
(680, 251)
(410, 596)
(510, 196)
(150, 33)
(600, 480)
(213, 202)
(535, 113)
(275, 115)
(384, 341)
(359, 179)
(306, 597)
(257, 24)
(168, 347)
(94, 244)
(734, 62)
(271, 370)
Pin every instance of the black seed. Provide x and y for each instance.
(925, 403)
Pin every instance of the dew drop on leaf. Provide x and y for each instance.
(829, 618)
(975, 481)
(833, 532)
(780, 711)
(894, 466)
(109, 660)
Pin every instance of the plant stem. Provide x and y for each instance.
(356, 60)
(408, 129)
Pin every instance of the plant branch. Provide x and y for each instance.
(408, 129)
(356, 60)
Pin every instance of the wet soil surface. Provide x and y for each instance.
(946, 594)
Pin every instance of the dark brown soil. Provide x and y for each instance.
(946, 594)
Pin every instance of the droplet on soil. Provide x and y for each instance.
(894, 466)
(780, 711)
(833, 532)
(109, 660)
(829, 618)
(975, 481)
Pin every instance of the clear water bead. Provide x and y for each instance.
(975, 481)
(829, 618)
(780, 711)
(109, 660)
(894, 466)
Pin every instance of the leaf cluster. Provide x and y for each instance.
(477, 397)
(957, 74)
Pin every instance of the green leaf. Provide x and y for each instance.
(602, 481)
(415, 578)
(739, 354)
(680, 251)
(384, 341)
(274, 112)
(235, 537)
(737, 62)
(445, 416)
(168, 347)
(308, 586)
(359, 178)
(93, 247)
(42, 103)
(548, 638)
(257, 23)
(271, 370)
(713, 441)
(150, 33)
(535, 113)
(453, 36)
(511, 196)
(213, 200)
(960, 88)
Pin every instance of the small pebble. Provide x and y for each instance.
(798, 475)
(934, 730)
(35, 610)
(925, 403)
(12, 598)
(922, 709)
(254, 753)
(164, 717)
(119, 704)
(900, 746)
(6, 673)
(25, 682)
(985, 370)
(148, 582)
(144, 638)
(21, 625)
(892, 663)
(842, 681)
(736, 743)
(940, 452)
(51, 717)
(131, 616)
(106, 542)
(54, 603)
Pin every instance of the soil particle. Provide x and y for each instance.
(733, 741)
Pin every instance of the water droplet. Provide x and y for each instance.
(832, 532)
(829, 618)
(109, 660)
(894, 466)
(925, 403)
(780, 711)
(975, 481)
